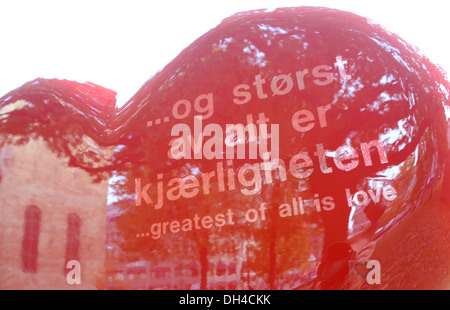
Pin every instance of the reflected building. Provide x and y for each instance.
(52, 210)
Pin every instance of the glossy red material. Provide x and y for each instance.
(364, 109)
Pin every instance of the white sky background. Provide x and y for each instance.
(121, 44)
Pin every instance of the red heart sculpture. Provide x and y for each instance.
(275, 149)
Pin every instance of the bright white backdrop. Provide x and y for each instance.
(120, 44)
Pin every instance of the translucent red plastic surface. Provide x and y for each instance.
(365, 110)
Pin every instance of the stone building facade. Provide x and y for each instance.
(49, 213)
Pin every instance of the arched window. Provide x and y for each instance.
(30, 239)
(73, 238)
